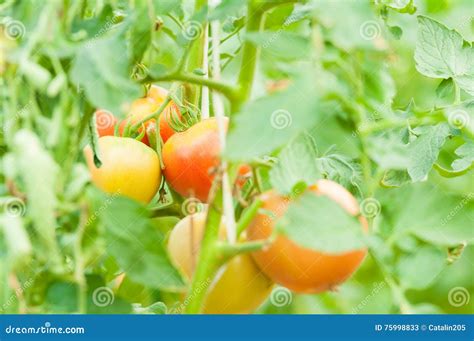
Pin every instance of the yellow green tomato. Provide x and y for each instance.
(239, 287)
(129, 168)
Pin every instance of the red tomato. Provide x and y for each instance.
(297, 268)
(105, 122)
(190, 158)
(243, 174)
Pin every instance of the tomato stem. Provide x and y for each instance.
(227, 90)
(226, 250)
(196, 56)
(255, 21)
(208, 262)
(248, 215)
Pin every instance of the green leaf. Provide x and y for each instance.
(101, 68)
(423, 152)
(137, 245)
(281, 44)
(40, 186)
(420, 269)
(402, 6)
(395, 178)
(281, 117)
(16, 240)
(396, 31)
(333, 231)
(296, 163)
(61, 298)
(445, 88)
(340, 169)
(97, 25)
(466, 156)
(429, 213)
(140, 33)
(388, 151)
(442, 53)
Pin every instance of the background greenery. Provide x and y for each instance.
(380, 118)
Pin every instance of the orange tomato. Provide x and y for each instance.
(145, 106)
(129, 168)
(302, 269)
(105, 122)
(139, 109)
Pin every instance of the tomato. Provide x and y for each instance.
(297, 268)
(139, 109)
(239, 288)
(128, 168)
(190, 157)
(159, 94)
(143, 107)
(243, 174)
(105, 122)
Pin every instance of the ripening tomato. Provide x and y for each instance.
(105, 122)
(239, 288)
(145, 106)
(302, 269)
(139, 109)
(190, 158)
(128, 168)
(159, 94)
(243, 174)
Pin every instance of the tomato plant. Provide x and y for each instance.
(329, 143)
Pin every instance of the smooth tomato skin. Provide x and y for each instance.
(128, 168)
(297, 268)
(239, 288)
(190, 158)
(105, 122)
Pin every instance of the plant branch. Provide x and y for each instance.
(248, 215)
(227, 90)
(226, 251)
(208, 263)
(255, 20)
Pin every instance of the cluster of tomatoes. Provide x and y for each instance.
(132, 168)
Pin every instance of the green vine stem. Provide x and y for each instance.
(227, 90)
(226, 251)
(255, 21)
(209, 262)
(248, 215)
(196, 57)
